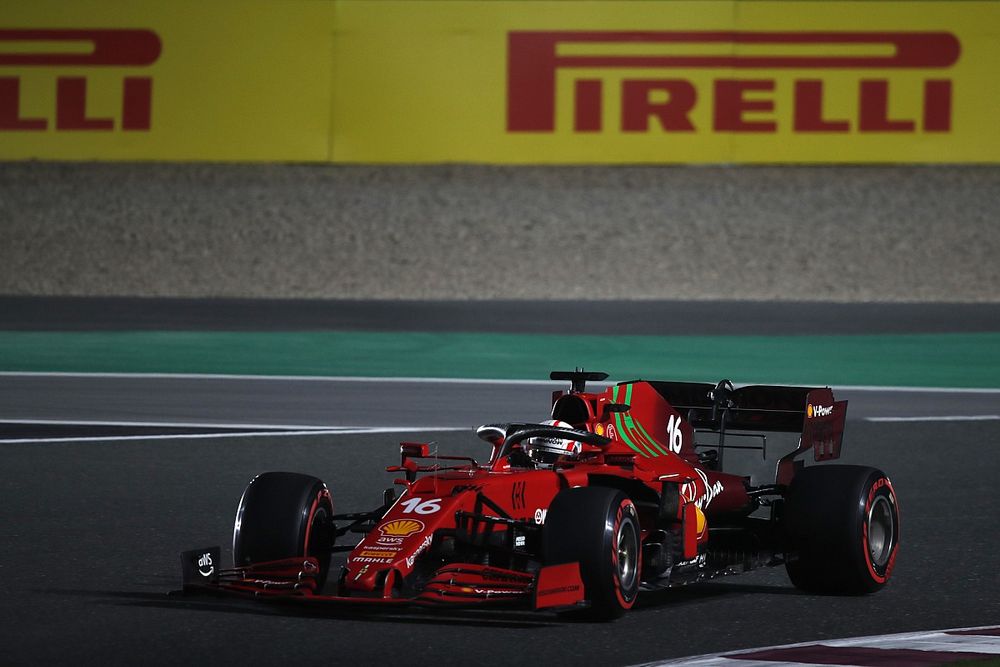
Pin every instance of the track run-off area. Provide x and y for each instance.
(116, 458)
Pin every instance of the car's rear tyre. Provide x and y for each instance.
(842, 526)
(599, 528)
(284, 515)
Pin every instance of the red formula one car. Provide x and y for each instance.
(611, 497)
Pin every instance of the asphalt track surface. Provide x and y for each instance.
(92, 532)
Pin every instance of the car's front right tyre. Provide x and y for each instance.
(284, 515)
(598, 527)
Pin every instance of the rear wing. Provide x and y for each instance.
(810, 411)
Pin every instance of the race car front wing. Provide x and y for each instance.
(456, 584)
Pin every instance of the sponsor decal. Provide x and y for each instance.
(361, 572)
(83, 52)
(205, 566)
(394, 543)
(411, 559)
(377, 553)
(369, 559)
(520, 541)
(401, 528)
(602, 64)
(490, 591)
(690, 489)
(879, 483)
(818, 411)
(540, 516)
(599, 429)
(611, 432)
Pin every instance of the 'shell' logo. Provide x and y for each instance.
(535, 59)
(78, 49)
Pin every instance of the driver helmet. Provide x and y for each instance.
(544, 450)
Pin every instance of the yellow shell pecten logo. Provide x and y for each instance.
(402, 527)
(809, 411)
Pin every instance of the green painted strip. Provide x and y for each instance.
(649, 442)
(622, 431)
(928, 360)
(624, 434)
(635, 430)
(630, 431)
(650, 438)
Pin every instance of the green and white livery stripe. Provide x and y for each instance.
(632, 431)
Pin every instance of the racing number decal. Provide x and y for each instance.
(676, 438)
(419, 506)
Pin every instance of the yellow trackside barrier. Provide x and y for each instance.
(505, 81)
(654, 82)
(165, 80)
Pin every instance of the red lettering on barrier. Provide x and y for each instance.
(99, 48)
(672, 114)
(588, 106)
(123, 48)
(71, 107)
(937, 106)
(137, 103)
(873, 112)
(10, 108)
(533, 61)
(731, 104)
(809, 109)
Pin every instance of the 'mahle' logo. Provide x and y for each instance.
(534, 58)
(78, 48)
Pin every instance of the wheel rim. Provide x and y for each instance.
(880, 531)
(627, 555)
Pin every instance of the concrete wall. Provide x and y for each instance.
(804, 233)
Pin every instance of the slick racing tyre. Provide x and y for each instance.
(284, 515)
(599, 528)
(842, 527)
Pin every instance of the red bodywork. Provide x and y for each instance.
(413, 552)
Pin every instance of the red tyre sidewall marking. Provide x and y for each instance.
(880, 483)
(325, 493)
(626, 505)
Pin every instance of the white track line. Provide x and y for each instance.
(946, 418)
(432, 380)
(236, 434)
(915, 390)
